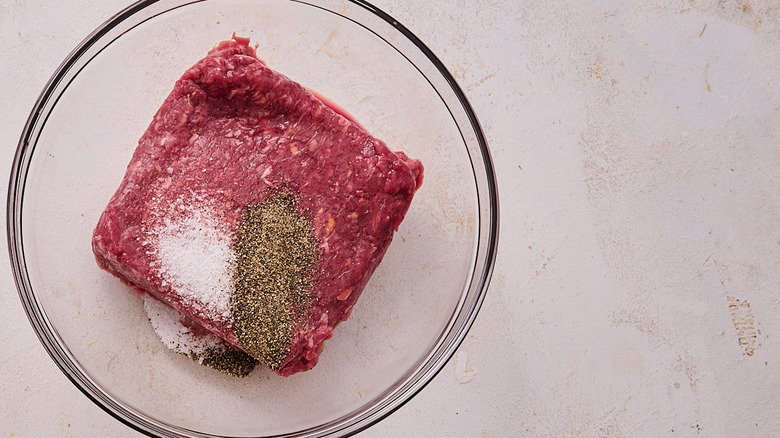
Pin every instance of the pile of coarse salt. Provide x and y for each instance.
(194, 255)
(168, 323)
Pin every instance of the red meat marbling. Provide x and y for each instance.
(230, 133)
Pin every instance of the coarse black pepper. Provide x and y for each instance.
(275, 253)
(228, 360)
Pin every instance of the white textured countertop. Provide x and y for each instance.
(636, 291)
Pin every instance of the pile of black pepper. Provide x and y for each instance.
(275, 253)
(227, 360)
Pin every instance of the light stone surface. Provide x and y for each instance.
(636, 289)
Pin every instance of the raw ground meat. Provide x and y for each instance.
(232, 133)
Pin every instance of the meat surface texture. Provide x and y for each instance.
(232, 134)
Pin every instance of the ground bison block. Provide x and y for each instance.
(255, 209)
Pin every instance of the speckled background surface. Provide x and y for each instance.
(636, 288)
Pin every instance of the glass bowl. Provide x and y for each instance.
(411, 317)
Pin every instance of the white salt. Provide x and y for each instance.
(194, 256)
(167, 323)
